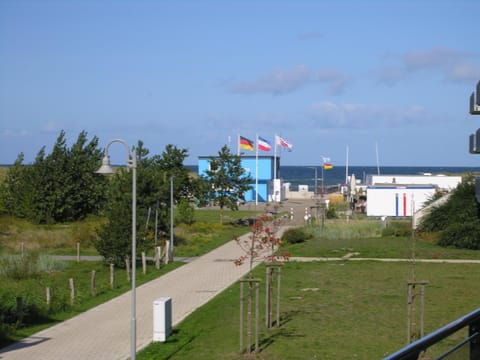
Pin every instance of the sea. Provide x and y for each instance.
(305, 175)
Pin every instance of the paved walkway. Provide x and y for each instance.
(104, 331)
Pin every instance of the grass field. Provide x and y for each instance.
(339, 309)
(329, 310)
(19, 279)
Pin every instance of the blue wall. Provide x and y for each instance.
(265, 173)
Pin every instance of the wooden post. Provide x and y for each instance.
(167, 251)
(93, 284)
(127, 267)
(158, 255)
(48, 294)
(279, 276)
(267, 297)
(272, 269)
(78, 251)
(257, 314)
(20, 308)
(241, 316)
(112, 276)
(22, 248)
(144, 263)
(412, 309)
(253, 286)
(72, 291)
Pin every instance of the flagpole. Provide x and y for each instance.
(256, 171)
(238, 144)
(346, 169)
(275, 158)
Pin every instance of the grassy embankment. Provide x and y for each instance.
(29, 276)
(339, 309)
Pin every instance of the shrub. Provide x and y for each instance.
(295, 236)
(461, 235)
(332, 212)
(184, 213)
(398, 229)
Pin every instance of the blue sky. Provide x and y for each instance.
(389, 75)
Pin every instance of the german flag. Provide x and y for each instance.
(246, 143)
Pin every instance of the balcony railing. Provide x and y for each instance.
(469, 346)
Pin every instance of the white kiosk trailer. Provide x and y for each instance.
(397, 200)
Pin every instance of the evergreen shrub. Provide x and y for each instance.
(295, 236)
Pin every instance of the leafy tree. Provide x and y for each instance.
(57, 187)
(153, 192)
(227, 179)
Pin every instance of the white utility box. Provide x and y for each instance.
(162, 318)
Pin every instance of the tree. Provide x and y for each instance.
(153, 192)
(57, 187)
(228, 180)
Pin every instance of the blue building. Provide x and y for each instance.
(266, 173)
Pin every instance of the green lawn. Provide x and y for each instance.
(329, 310)
(339, 238)
(339, 309)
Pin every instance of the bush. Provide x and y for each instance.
(465, 236)
(184, 213)
(295, 236)
(398, 229)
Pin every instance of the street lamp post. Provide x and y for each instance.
(106, 169)
(171, 218)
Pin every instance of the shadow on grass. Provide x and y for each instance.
(176, 341)
(280, 331)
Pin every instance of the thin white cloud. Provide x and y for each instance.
(335, 115)
(283, 81)
(452, 64)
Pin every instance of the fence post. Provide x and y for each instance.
(158, 255)
(48, 295)
(93, 284)
(127, 267)
(144, 263)
(72, 291)
(78, 251)
(167, 251)
(112, 276)
(20, 308)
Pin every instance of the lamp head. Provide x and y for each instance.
(105, 169)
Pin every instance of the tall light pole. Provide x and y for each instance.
(171, 218)
(106, 169)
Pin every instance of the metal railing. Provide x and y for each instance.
(470, 346)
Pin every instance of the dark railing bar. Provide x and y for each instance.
(412, 350)
(458, 346)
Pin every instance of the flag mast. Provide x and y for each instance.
(346, 169)
(256, 171)
(275, 158)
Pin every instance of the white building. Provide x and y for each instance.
(397, 200)
(442, 182)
